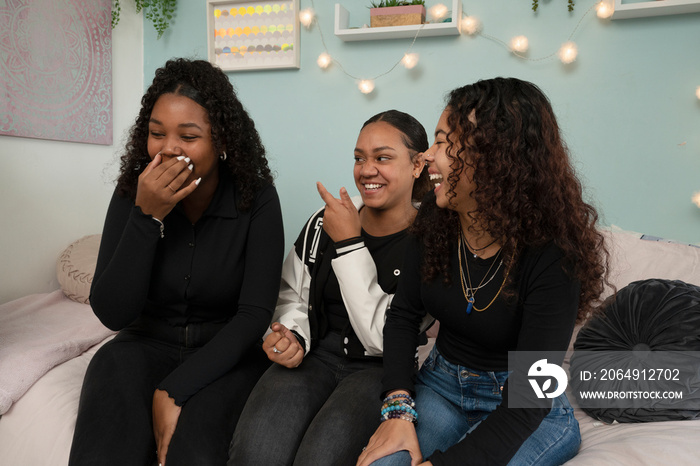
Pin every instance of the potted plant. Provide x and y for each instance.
(396, 13)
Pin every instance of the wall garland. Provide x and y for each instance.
(470, 25)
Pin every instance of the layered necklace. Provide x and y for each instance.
(467, 288)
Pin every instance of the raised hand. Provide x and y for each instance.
(341, 219)
(282, 347)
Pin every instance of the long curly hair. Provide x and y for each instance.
(414, 138)
(525, 188)
(232, 130)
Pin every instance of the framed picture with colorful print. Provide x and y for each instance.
(253, 35)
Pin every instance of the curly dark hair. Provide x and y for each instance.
(414, 138)
(232, 130)
(525, 187)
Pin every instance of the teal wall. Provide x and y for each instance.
(627, 106)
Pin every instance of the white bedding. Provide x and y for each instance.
(38, 332)
(38, 429)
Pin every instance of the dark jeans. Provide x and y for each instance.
(114, 425)
(320, 413)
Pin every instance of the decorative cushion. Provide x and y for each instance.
(76, 266)
(645, 317)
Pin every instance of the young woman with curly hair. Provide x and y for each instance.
(507, 257)
(188, 272)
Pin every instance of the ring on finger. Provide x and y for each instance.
(172, 189)
(275, 350)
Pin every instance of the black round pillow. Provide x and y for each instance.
(645, 322)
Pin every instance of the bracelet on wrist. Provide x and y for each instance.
(161, 225)
(399, 406)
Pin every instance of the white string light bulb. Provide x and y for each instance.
(519, 44)
(410, 60)
(306, 17)
(471, 25)
(697, 92)
(696, 199)
(324, 60)
(437, 12)
(366, 86)
(604, 9)
(568, 52)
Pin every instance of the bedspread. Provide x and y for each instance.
(38, 332)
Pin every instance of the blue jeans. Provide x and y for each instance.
(320, 413)
(452, 400)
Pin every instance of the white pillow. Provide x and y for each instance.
(76, 266)
(633, 258)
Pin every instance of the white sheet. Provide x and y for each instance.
(37, 333)
(38, 429)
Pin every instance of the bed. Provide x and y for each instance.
(47, 341)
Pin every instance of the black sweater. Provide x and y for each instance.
(225, 267)
(540, 319)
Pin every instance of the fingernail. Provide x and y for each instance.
(197, 181)
(181, 157)
(190, 166)
(187, 160)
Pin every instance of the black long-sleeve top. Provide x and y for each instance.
(541, 318)
(225, 267)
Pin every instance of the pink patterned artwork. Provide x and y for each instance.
(56, 70)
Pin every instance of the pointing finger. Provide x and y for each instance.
(325, 195)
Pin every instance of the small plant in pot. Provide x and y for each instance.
(396, 13)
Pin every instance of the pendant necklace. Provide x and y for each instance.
(467, 289)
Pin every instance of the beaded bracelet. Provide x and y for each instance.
(399, 406)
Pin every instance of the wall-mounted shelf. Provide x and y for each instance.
(342, 19)
(654, 8)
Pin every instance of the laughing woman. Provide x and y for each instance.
(507, 257)
(317, 404)
(188, 271)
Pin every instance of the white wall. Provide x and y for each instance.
(56, 192)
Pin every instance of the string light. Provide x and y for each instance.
(697, 92)
(604, 9)
(471, 25)
(306, 17)
(410, 60)
(568, 52)
(519, 44)
(696, 198)
(437, 12)
(324, 60)
(366, 86)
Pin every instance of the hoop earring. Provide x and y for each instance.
(223, 156)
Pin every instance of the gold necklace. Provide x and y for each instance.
(469, 295)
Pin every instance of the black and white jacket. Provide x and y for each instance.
(304, 275)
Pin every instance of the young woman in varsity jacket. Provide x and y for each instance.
(318, 404)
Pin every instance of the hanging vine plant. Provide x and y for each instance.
(536, 3)
(159, 12)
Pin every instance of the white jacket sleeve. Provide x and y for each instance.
(292, 302)
(365, 301)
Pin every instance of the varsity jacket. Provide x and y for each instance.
(304, 275)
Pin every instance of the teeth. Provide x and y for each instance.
(435, 176)
(373, 186)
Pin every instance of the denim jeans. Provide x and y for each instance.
(320, 413)
(452, 400)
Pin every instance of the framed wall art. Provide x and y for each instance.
(56, 70)
(253, 35)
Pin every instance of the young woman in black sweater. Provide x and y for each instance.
(507, 257)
